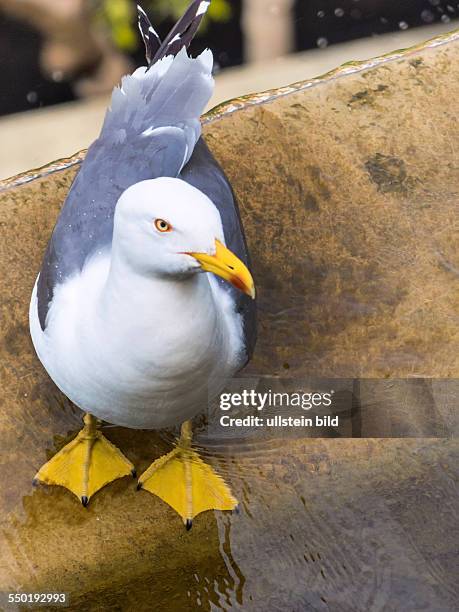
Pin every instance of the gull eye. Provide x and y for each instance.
(162, 226)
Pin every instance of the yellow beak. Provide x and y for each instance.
(225, 264)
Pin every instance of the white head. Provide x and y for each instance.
(168, 228)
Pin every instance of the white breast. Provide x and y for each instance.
(147, 359)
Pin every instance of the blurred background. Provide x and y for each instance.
(59, 59)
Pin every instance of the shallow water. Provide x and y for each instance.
(322, 524)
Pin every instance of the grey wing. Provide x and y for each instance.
(204, 173)
(149, 131)
(85, 224)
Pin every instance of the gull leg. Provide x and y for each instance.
(86, 464)
(185, 482)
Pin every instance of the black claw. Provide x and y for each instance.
(139, 486)
(188, 524)
(237, 509)
(84, 501)
(134, 473)
(35, 482)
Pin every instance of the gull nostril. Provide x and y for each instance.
(231, 267)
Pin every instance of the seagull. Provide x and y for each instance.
(144, 304)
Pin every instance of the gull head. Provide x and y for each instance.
(165, 227)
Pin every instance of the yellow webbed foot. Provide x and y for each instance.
(186, 483)
(86, 464)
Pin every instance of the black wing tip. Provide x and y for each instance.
(152, 43)
(184, 30)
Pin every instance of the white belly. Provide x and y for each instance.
(144, 362)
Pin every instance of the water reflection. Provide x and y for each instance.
(323, 529)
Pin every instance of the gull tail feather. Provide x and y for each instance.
(173, 93)
(158, 107)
